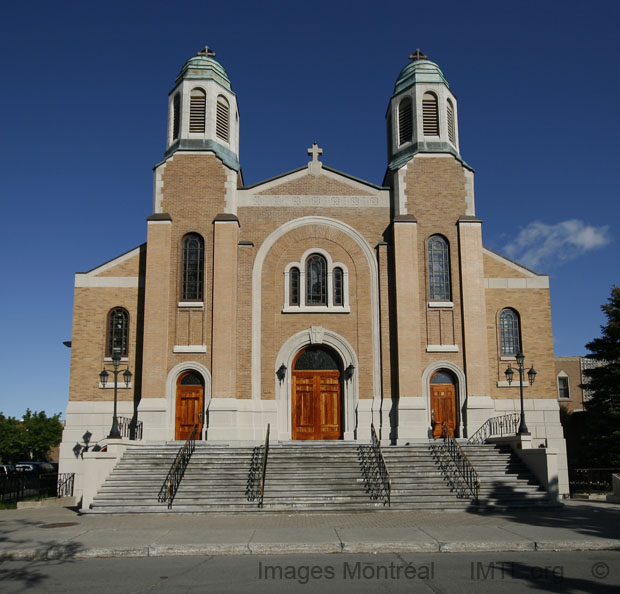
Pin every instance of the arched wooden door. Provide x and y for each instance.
(316, 397)
(189, 404)
(443, 403)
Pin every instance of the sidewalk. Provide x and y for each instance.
(60, 533)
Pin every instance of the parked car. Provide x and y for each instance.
(7, 470)
(35, 467)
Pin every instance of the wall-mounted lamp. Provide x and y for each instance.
(348, 372)
(281, 373)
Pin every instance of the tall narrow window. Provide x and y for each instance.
(176, 116)
(338, 286)
(451, 129)
(222, 119)
(563, 387)
(294, 286)
(192, 268)
(316, 280)
(430, 115)
(197, 107)
(510, 344)
(118, 332)
(405, 121)
(438, 269)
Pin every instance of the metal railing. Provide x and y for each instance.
(591, 480)
(255, 489)
(455, 466)
(130, 428)
(27, 485)
(496, 427)
(64, 484)
(377, 479)
(177, 470)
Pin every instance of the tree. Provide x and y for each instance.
(602, 437)
(30, 438)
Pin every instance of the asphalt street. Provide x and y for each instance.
(590, 572)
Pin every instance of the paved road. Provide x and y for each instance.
(590, 572)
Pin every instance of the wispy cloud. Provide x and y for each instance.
(541, 244)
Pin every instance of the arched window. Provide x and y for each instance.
(118, 332)
(222, 119)
(192, 268)
(438, 269)
(451, 128)
(316, 280)
(510, 344)
(405, 121)
(294, 286)
(176, 116)
(338, 284)
(430, 115)
(197, 108)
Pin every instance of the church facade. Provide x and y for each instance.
(314, 301)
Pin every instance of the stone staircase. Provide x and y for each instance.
(318, 476)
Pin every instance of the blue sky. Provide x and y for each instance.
(83, 108)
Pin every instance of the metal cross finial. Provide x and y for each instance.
(418, 55)
(207, 51)
(315, 151)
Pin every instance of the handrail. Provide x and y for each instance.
(376, 476)
(64, 484)
(456, 467)
(177, 470)
(130, 428)
(255, 489)
(507, 424)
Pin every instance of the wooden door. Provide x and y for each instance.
(316, 401)
(189, 405)
(443, 406)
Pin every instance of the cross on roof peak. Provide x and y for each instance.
(418, 55)
(315, 151)
(206, 51)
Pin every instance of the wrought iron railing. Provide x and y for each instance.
(255, 489)
(497, 427)
(455, 466)
(64, 484)
(177, 470)
(591, 480)
(130, 428)
(374, 471)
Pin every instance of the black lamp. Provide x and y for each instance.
(281, 373)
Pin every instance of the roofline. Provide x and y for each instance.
(514, 262)
(330, 169)
(115, 258)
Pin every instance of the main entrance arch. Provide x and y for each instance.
(316, 394)
(190, 400)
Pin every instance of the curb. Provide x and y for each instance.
(72, 552)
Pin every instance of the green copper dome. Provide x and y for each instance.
(420, 70)
(203, 66)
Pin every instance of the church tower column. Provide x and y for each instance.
(475, 344)
(156, 305)
(224, 340)
(407, 304)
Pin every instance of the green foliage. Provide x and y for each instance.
(602, 437)
(29, 438)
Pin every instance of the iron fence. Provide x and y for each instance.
(591, 480)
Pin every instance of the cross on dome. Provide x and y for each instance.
(418, 55)
(207, 51)
(315, 151)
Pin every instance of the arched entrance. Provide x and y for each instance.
(443, 403)
(316, 395)
(190, 401)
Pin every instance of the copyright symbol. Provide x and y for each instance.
(600, 570)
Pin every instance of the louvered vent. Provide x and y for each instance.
(197, 107)
(176, 116)
(222, 124)
(451, 131)
(405, 121)
(430, 116)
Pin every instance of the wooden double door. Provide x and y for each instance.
(190, 402)
(443, 404)
(316, 396)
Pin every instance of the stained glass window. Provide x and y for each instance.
(118, 332)
(193, 268)
(294, 286)
(509, 332)
(338, 286)
(316, 358)
(316, 280)
(438, 269)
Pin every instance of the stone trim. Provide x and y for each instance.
(539, 282)
(442, 348)
(192, 348)
(107, 282)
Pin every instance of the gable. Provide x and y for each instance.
(497, 266)
(125, 270)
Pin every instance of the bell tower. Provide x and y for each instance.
(202, 110)
(423, 113)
